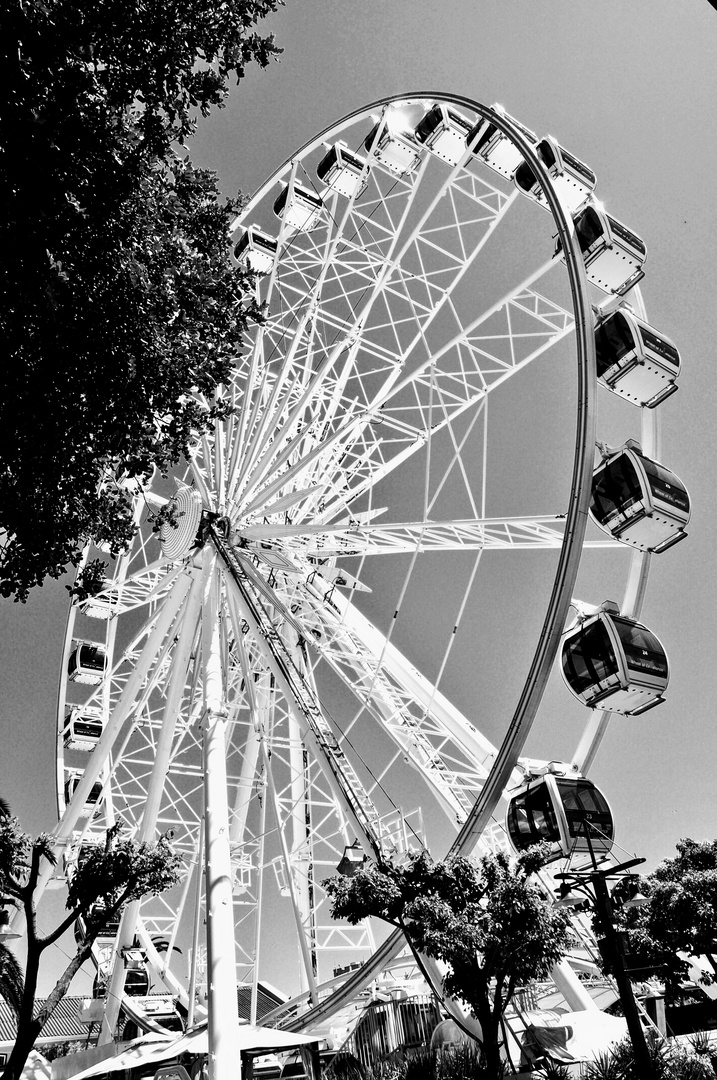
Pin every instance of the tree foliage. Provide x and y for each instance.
(486, 920)
(113, 874)
(120, 309)
(681, 916)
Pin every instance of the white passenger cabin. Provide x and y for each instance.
(83, 727)
(638, 501)
(343, 171)
(612, 662)
(299, 208)
(634, 360)
(495, 148)
(87, 662)
(395, 150)
(256, 250)
(572, 180)
(443, 131)
(613, 254)
(72, 779)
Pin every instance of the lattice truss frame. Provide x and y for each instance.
(372, 352)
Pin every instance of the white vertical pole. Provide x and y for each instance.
(192, 995)
(224, 1054)
(148, 826)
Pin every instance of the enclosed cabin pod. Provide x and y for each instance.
(393, 149)
(638, 501)
(572, 179)
(343, 171)
(496, 149)
(614, 255)
(634, 360)
(614, 663)
(256, 250)
(83, 728)
(299, 208)
(87, 663)
(569, 813)
(136, 980)
(443, 131)
(72, 779)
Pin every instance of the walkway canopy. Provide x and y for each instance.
(154, 1049)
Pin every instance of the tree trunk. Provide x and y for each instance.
(26, 1036)
(490, 1031)
(29, 1026)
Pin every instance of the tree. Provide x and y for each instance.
(112, 875)
(120, 309)
(681, 916)
(486, 920)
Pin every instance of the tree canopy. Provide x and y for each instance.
(120, 308)
(111, 876)
(681, 916)
(487, 921)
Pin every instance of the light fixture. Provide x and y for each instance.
(352, 859)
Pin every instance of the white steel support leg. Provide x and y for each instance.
(301, 854)
(224, 1054)
(148, 828)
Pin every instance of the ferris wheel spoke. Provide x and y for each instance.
(446, 749)
(303, 702)
(390, 276)
(494, 534)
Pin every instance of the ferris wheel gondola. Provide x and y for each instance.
(309, 537)
(573, 180)
(567, 812)
(613, 662)
(639, 501)
(635, 360)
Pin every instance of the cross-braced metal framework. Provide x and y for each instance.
(349, 501)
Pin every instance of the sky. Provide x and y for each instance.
(628, 88)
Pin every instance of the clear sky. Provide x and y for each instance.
(630, 88)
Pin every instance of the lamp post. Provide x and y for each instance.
(592, 883)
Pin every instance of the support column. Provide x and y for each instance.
(223, 1024)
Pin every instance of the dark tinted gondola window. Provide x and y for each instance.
(588, 658)
(585, 809)
(485, 137)
(532, 818)
(588, 228)
(326, 164)
(665, 485)
(524, 176)
(545, 153)
(663, 348)
(429, 123)
(371, 137)
(92, 658)
(616, 487)
(643, 652)
(613, 339)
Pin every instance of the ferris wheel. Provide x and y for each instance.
(339, 644)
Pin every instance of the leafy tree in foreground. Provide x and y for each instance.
(110, 877)
(493, 928)
(120, 311)
(681, 915)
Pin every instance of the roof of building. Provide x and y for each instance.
(64, 1025)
